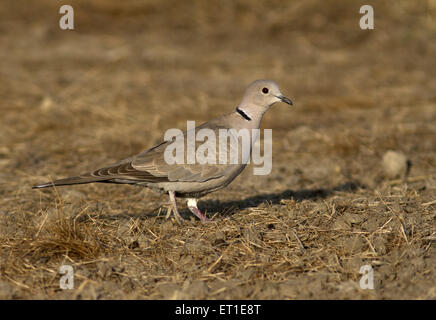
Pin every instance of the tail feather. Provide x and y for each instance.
(123, 171)
(72, 180)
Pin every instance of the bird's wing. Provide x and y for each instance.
(153, 161)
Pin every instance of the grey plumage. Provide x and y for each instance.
(191, 181)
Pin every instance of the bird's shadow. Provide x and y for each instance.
(230, 207)
(276, 198)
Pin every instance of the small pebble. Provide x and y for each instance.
(395, 164)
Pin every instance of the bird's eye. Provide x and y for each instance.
(265, 90)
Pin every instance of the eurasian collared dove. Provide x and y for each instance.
(150, 168)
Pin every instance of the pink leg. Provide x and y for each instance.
(192, 205)
(199, 214)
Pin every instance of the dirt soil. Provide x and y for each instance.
(74, 101)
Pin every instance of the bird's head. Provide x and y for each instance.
(263, 94)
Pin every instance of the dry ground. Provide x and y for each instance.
(72, 101)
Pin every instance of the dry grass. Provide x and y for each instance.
(74, 101)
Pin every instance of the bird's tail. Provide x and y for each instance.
(71, 180)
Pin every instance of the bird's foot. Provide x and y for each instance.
(169, 211)
(176, 214)
(172, 208)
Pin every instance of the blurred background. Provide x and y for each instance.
(74, 101)
(131, 69)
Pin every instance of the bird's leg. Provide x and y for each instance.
(173, 207)
(192, 205)
(169, 210)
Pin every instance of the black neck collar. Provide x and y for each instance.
(243, 114)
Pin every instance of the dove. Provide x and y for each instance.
(188, 180)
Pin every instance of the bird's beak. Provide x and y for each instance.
(285, 100)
